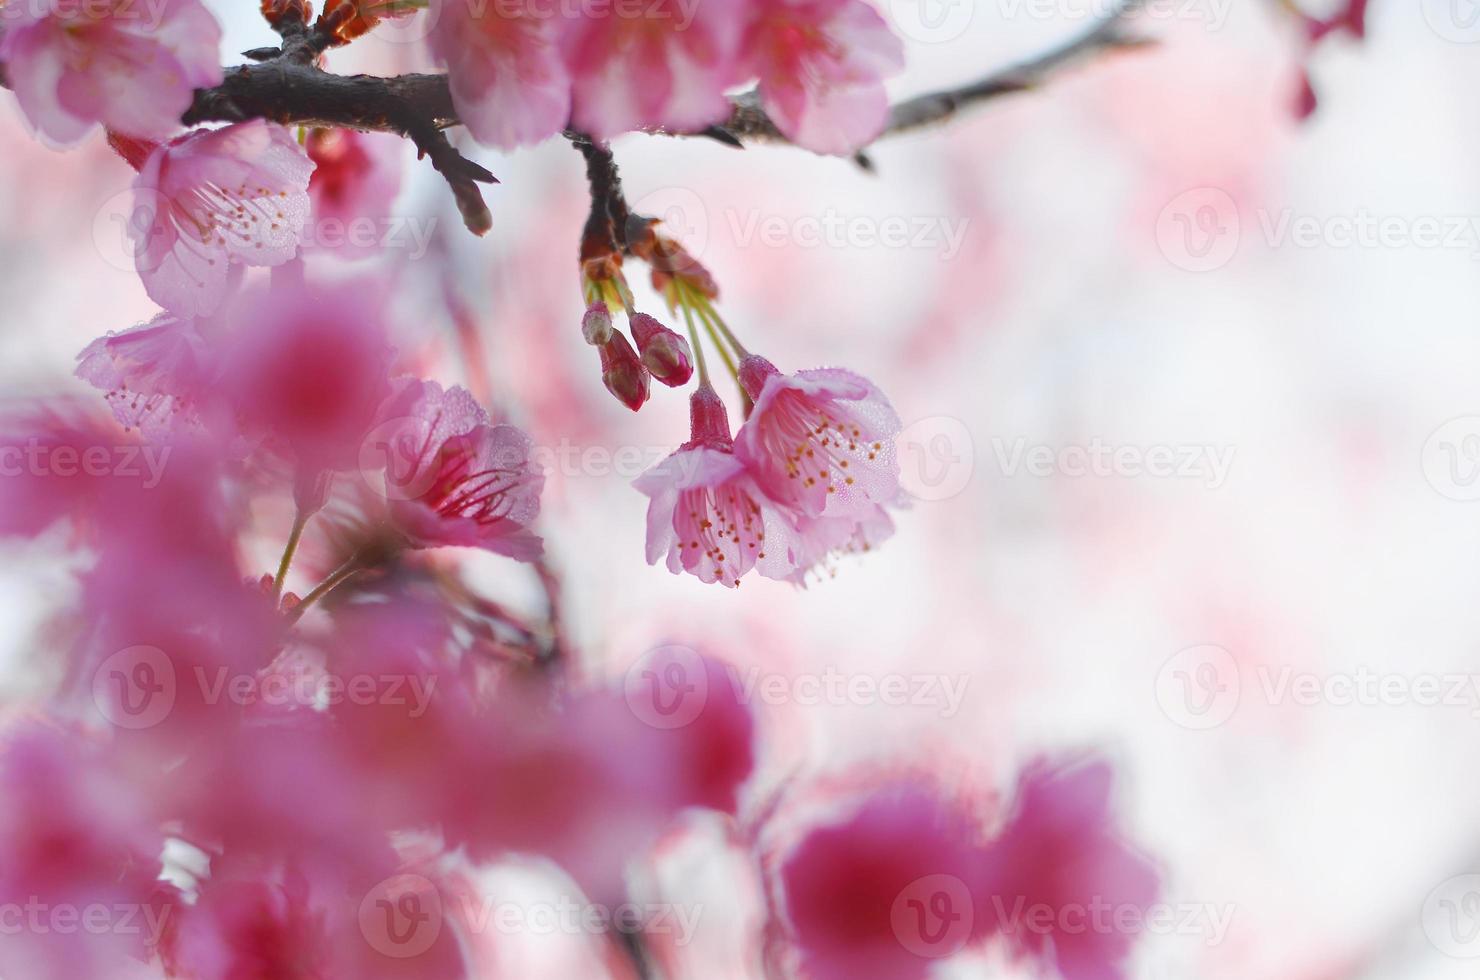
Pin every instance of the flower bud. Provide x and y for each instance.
(753, 374)
(596, 325)
(664, 353)
(623, 373)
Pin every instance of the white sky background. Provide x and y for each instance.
(1062, 320)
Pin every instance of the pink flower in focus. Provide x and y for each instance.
(155, 377)
(453, 479)
(666, 65)
(708, 514)
(504, 68)
(820, 442)
(308, 367)
(216, 200)
(132, 67)
(1059, 851)
(355, 181)
(826, 538)
(821, 65)
(883, 893)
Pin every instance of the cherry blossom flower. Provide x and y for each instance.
(665, 65)
(1060, 850)
(307, 367)
(708, 514)
(155, 377)
(820, 442)
(855, 891)
(77, 832)
(132, 67)
(214, 201)
(504, 68)
(825, 539)
(456, 480)
(355, 181)
(821, 65)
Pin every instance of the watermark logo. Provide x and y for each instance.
(932, 21)
(1451, 917)
(1199, 687)
(1199, 229)
(682, 216)
(1451, 459)
(932, 917)
(135, 688)
(1453, 20)
(668, 687)
(402, 916)
(936, 458)
(1098, 458)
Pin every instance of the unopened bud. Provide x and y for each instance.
(664, 353)
(596, 325)
(623, 373)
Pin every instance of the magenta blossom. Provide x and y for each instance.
(307, 368)
(504, 69)
(885, 892)
(1059, 854)
(827, 538)
(216, 200)
(355, 181)
(708, 514)
(821, 65)
(130, 66)
(77, 832)
(820, 442)
(666, 65)
(454, 479)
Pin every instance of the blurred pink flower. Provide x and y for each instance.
(453, 479)
(216, 200)
(1060, 852)
(355, 181)
(155, 377)
(821, 65)
(132, 67)
(504, 67)
(708, 514)
(820, 442)
(667, 65)
(283, 923)
(307, 366)
(883, 892)
(77, 832)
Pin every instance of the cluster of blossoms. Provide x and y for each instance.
(520, 69)
(810, 474)
(230, 780)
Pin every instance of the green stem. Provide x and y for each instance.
(300, 521)
(688, 315)
(355, 563)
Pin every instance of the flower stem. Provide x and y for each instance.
(688, 316)
(355, 563)
(300, 521)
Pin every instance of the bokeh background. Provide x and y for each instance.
(1149, 259)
